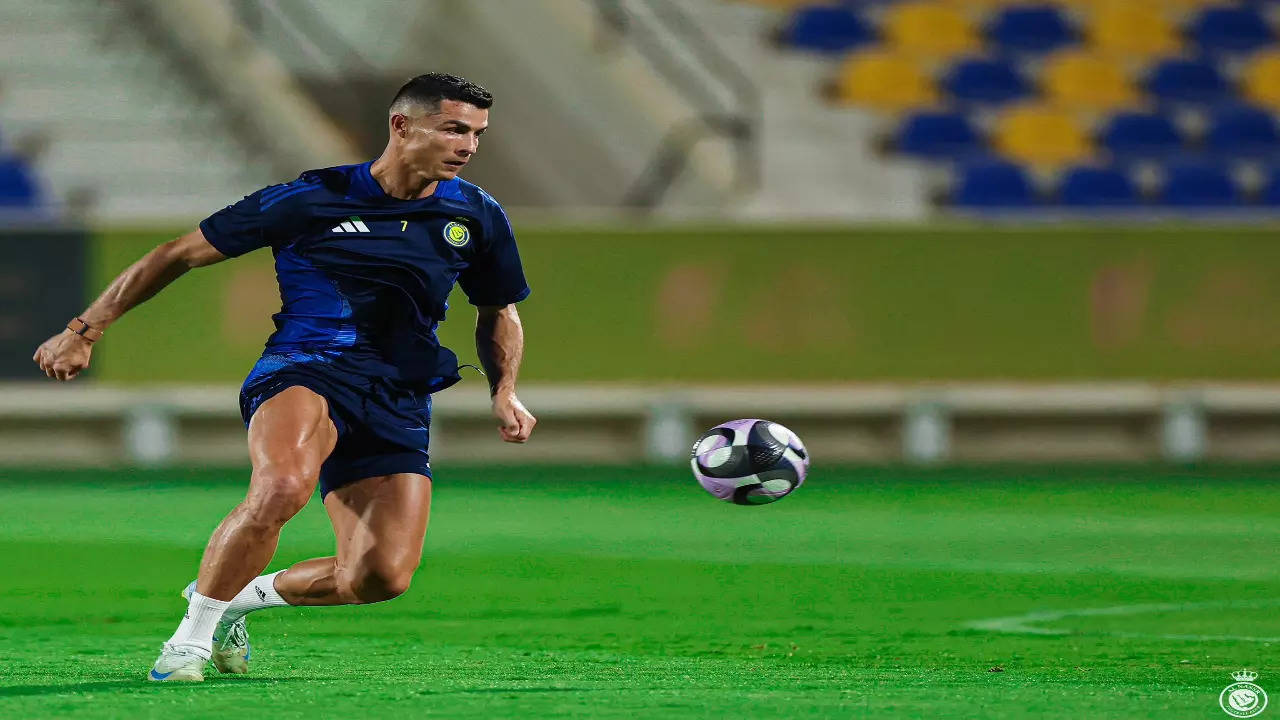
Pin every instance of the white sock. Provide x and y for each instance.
(196, 628)
(259, 594)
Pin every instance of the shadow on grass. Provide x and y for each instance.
(131, 685)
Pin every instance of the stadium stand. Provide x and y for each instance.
(1030, 29)
(1041, 136)
(1131, 32)
(1094, 187)
(1156, 104)
(1140, 135)
(1079, 79)
(885, 81)
(827, 29)
(928, 29)
(938, 134)
(1199, 183)
(983, 80)
(1260, 81)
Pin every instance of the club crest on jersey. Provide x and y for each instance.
(456, 234)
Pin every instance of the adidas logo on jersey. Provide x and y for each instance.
(354, 225)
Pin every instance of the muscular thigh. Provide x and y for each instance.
(290, 435)
(381, 521)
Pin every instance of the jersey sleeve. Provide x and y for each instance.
(266, 218)
(495, 275)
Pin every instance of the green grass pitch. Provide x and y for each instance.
(589, 592)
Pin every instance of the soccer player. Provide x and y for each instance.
(365, 256)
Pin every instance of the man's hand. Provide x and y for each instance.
(515, 423)
(64, 355)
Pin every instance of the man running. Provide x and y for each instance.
(365, 256)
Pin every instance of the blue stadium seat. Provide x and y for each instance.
(827, 30)
(1192, 81)
(993, 184)
(1243, 131)
(1097, 187)
(985, 81)
(1135, 135)
(18, 187)
(1199, 184)
(1271, 193)
(1230, 30)
(937, 135)
(1031, 29)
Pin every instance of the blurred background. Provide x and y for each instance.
(924, 231)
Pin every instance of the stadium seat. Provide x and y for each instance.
(1030, 29)
(885, 81)
(1136, 135)
(1097, 187)
(1041, 136)
(1230, 30)
(18, 187)
(937, 135)
(827, 29)
(1243, 131)
(984, 81)
(993, 184)
(928, 29)
(1271, 192)
(1260, 81)
(1190, 81)
(1132, 31)
(1082, 80)
(1199, 184)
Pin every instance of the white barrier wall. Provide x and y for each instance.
(90, 425)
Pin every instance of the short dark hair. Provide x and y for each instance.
(432, 88)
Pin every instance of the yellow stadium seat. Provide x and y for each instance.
(885, 81)
(929, 29)
(1080, 80)
(1164, 6)
(1261, 79)
(1041, 136)
(979, 6)
(1132, 30)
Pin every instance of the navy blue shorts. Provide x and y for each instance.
(383, 428)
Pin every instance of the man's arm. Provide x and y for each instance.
(66, 354)
(500, 345)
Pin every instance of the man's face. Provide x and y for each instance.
(439, 144)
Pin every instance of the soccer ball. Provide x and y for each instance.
(749, 462)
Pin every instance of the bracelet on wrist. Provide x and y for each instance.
(84, 330)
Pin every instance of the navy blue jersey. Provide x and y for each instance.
(365, 277)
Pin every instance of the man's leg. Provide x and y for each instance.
(380, 523)
(289, 438)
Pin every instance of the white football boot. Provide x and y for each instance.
(231, 649)
(178, 663)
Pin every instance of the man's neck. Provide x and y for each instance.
(399, 181)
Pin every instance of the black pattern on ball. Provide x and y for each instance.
(738, 465)
(782, 470)
(743, 496)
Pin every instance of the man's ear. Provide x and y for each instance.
(400, 124)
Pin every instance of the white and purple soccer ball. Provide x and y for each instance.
(750, 462)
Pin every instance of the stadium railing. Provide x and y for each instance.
(933, 423)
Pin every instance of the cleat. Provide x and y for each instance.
(178, 663)
(231, 648)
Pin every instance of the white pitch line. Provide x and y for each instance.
(1027, 624)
